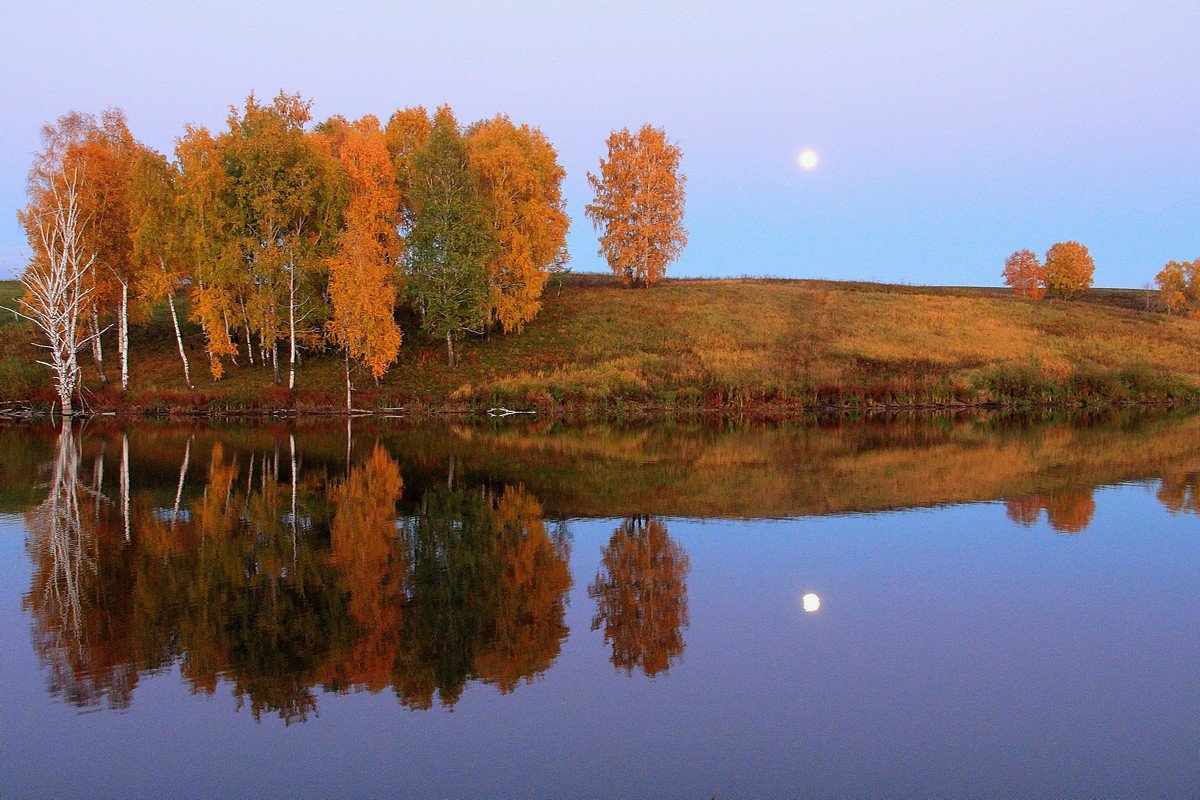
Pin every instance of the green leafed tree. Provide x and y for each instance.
(284, 208)
(451, 241)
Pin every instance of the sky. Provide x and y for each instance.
(949, 134)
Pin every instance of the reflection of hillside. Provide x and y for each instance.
(761, 470)
(793, 469)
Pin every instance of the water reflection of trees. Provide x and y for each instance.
(1067, 510)
(1180, 491)
(277, 580)
(486, 594)
(1072, 510)
(81, 648)
(279, 562)
(641, 596)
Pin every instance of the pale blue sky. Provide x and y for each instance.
(950, 134)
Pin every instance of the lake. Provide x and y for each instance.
(914, 606)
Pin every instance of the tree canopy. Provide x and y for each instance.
(639, 204)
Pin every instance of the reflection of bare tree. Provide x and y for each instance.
(641, 596)
(62, 543)
(1067, 510)
(56, 530)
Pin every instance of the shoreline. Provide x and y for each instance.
(19, 410)
(720, 347)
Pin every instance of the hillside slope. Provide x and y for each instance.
(752, 344)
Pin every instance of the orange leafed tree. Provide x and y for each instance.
(372, 567)
(96, 156)
(104, 161)
(1179, 286)
(407, 133)
(521, 182)
(363, 269)
(639, 205)
(1024, 274)
(159, 247)
(1069, 269)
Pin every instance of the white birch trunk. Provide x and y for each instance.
(187, 373)
(183, 470)
(97, 345)
(249, 344)
(292, 439)
(125, 482)
(292, 327)
(55, 293)
(123, 335)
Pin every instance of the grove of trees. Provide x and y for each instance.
(1066, 271)
(1179, 287)
(287, 237)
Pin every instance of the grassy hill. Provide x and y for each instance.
(754, 345)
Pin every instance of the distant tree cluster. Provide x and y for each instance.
(1067, 271)
(1179, 287)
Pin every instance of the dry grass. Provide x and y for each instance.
(747, 343)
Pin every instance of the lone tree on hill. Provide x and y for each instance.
(1069, 269)
(1025, 275)
(639, 205)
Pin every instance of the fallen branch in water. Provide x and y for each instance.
(504, 412)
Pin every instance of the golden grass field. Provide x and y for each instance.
(686, 345)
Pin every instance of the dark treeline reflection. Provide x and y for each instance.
(279, 577)
(286, 561)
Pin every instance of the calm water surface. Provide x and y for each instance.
(938, 607)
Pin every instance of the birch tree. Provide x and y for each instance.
(52, 165)
(103, 161)
(639, 205)
(161, 265)
(1068, 269)
(1024, 273)
(205, 228)
(520, 181)
(363, 269)
(451, 241)
(56, 285)
(407, 133)
(283, 213)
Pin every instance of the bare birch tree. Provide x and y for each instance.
(56, 287)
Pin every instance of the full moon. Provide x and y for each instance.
(811, 602)
(808, 159)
